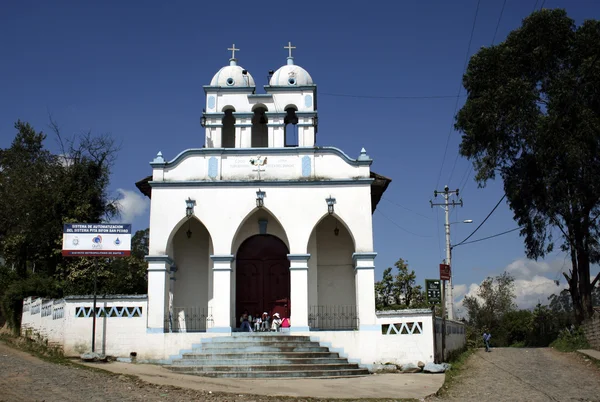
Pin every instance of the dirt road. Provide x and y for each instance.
(27, 378)
(514, 374)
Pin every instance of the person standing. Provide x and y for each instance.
(486, 339)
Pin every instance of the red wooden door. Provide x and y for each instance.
(262, 276)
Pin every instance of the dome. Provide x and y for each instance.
(291, 75)
(232, 76)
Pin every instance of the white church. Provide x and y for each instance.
(259, 219)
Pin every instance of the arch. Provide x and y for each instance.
(228, 107)
(260, 131)
(291, 106)
(183, 221)
(228, 130)
(191, 291)
(247, 228)
(331, 273)
(262, 276)
(260, 106)
(340, 221)
(290, 130)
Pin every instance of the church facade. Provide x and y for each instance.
(261, 219)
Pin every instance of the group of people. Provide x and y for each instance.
(262, 323)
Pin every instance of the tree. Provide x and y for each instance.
(532, 116)
(39, 192)
(494, 299)
(399, 291)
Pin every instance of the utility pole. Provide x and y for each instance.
(447, 194)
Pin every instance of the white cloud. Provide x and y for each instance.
(131, 205)
(534, 282)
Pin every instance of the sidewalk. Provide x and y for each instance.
(591, 353)
(373, 386)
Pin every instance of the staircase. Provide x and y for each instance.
(264, 355)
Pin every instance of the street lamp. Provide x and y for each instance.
(260, 198)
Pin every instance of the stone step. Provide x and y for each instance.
(265, 343)
(262, 349)
(252, 360)
(260, 355)
(281, 374)
(259, 336)
(263, 367)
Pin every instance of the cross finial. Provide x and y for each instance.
(289, 47)
(233, 50)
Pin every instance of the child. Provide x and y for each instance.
(276, 323)
(265, 321)
(257, 322)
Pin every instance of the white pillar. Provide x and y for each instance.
(299, 292)
(364, 278)
(159, 269)
(221, 305)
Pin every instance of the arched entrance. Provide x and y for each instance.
(262, 277)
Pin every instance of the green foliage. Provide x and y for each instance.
(517, 325)
(494, 299)
(533, 117)
(570, 340)
(11, 302)
(399, 291)
(39, 192)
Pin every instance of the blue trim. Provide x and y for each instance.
(299, 329)
(155, 330)
(369, 328)
(298, 257)
(363, 256)
(277, 183)
(306, 166)
(213, 167)
(242, 124)
(217, 89)
(227, 257)
(214, 115)
(243, 115)
(275, 114)
(266, 96)
(262, 226)
(215, 125)
(211, 101)
(263, 151)
(305, 125)
(275, 124)
(220, 330)
(363, 268)
(286, 88)
(159, 258)
(307, 100)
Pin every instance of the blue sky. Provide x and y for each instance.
(136, 69)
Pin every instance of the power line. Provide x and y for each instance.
(398, 226)
(543, 2)
(481, 224)
(458, 96)
(485, 238)
(408, 209)
(498, 23)
(391, 97)
(470, 168)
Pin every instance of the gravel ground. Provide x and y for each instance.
(27, 378)
(515, 374)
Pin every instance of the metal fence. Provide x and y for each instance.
(332, 318)
(188, 319)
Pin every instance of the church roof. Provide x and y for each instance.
(378, 186)
(232, 76)
(291, 75)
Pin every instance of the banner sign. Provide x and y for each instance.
(445, 272)
(433, 290)
(96, 240)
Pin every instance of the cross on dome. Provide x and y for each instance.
(289, 47)
(233, 50)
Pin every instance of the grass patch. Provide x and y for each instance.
(520, 344)
(457, 367)
(570, 341)
(37, 348)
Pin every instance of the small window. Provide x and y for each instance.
(230, 81)
(292, 81)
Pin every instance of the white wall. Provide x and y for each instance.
(335, 268)
(191, 256)
(456, 338)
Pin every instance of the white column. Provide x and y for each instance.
(159, 269)
(221, 305)
(364, 278)
(299, 292)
